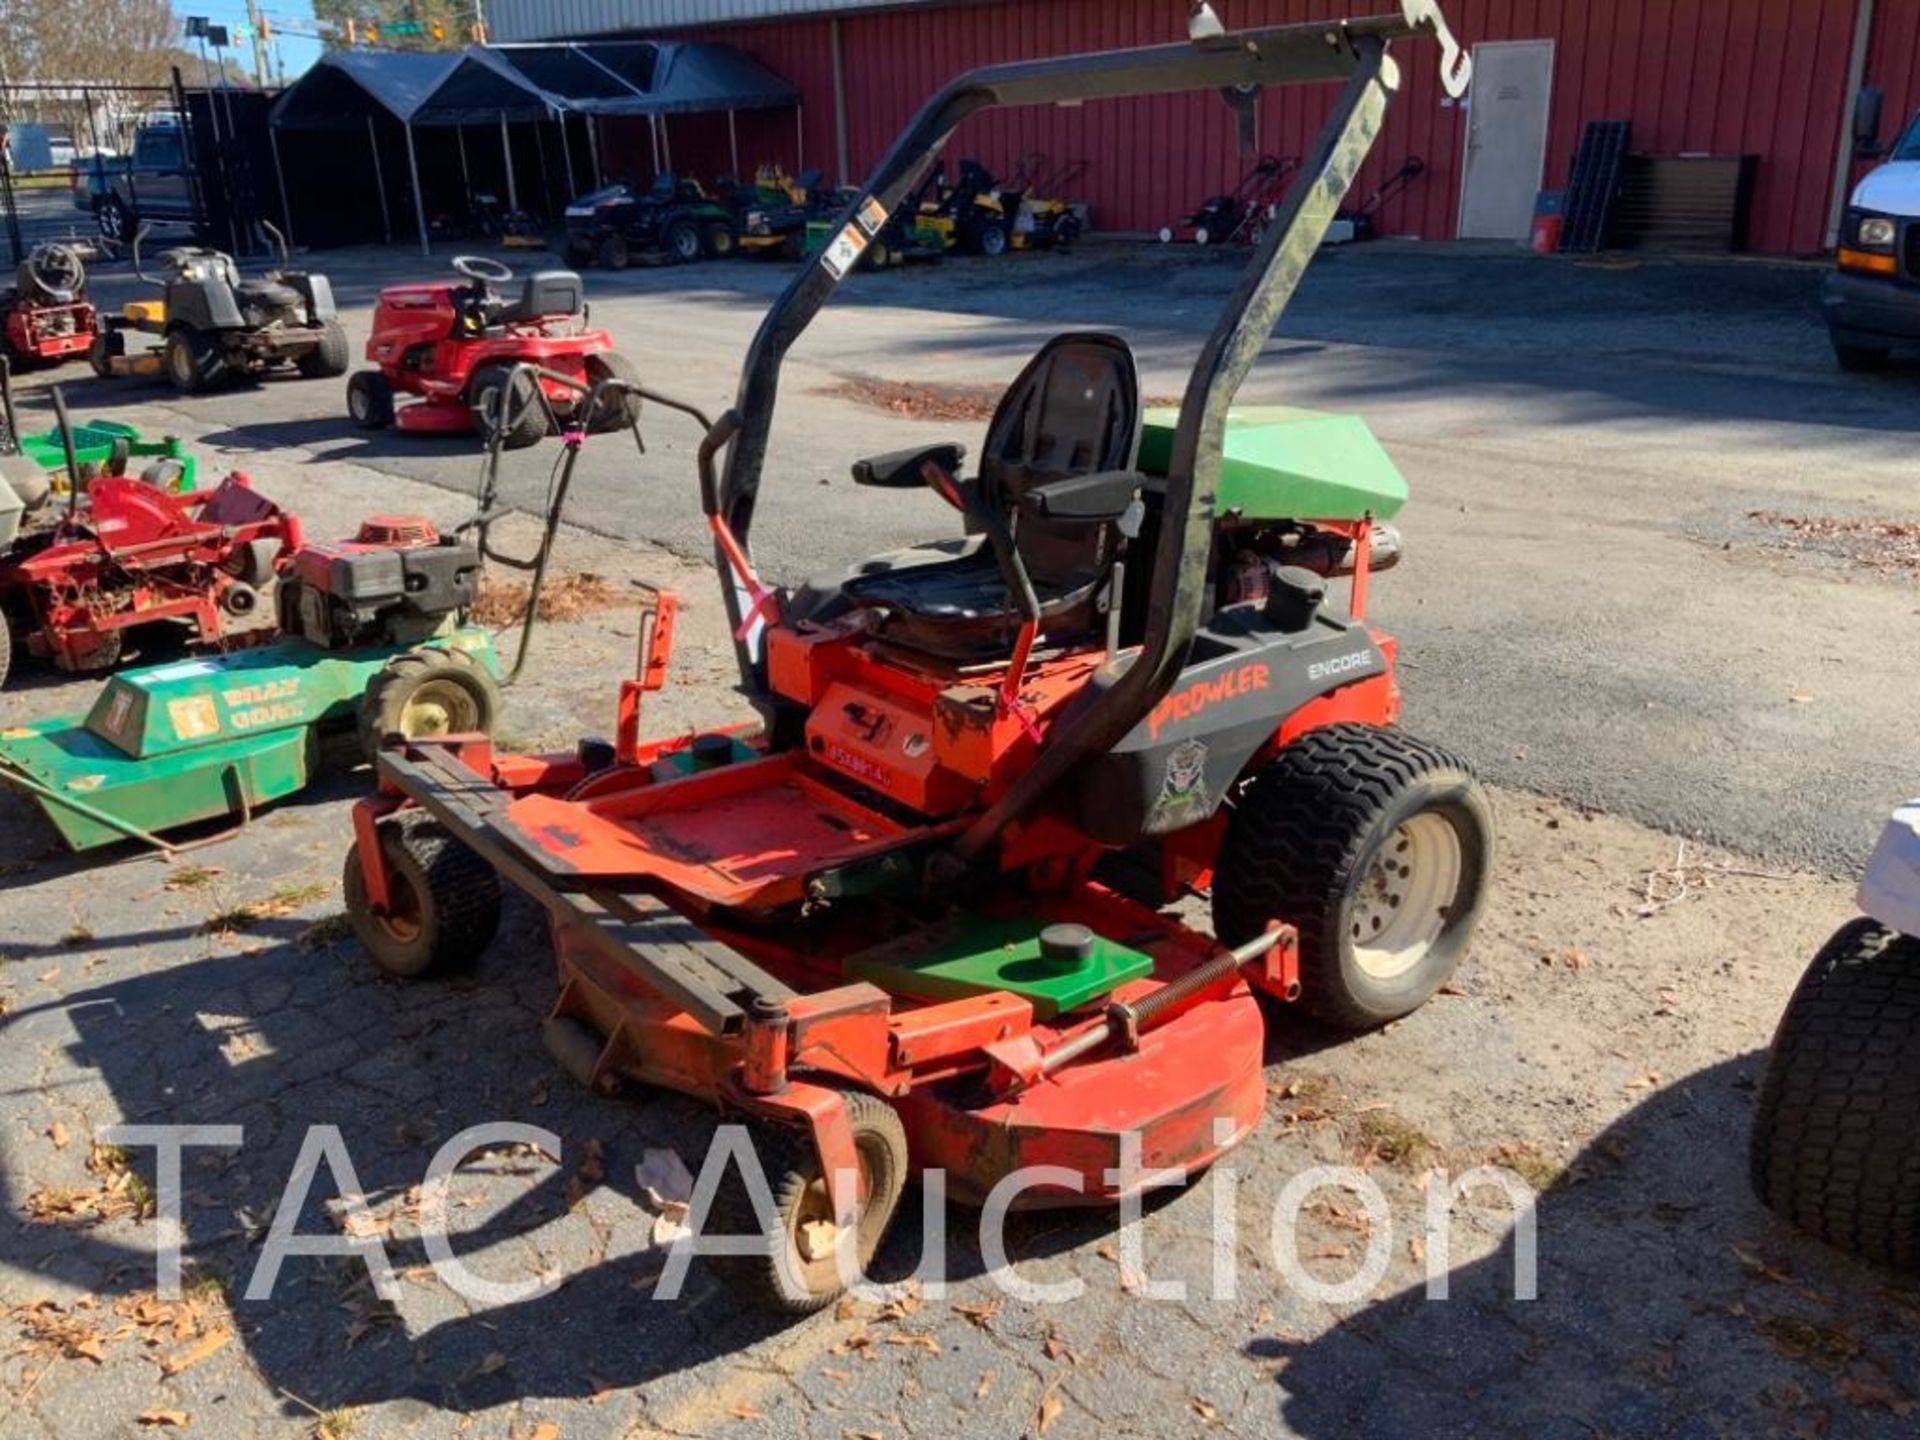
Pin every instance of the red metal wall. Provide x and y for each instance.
(1766, 77)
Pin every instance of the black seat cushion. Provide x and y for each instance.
(546, 295)
(1074, 410)
(270, 293)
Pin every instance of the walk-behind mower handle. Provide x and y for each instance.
(286, 257)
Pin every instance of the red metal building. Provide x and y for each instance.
(1773, 79)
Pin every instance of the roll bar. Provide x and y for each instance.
(1235, 63)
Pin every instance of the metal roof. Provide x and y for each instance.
(556, 19)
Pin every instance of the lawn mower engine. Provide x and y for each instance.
(46, 317)
(394, 583)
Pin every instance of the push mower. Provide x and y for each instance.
(1360, 222)
(46, 317)
(674, 220)
(1241, 215)
(472, 356)
(1836, 1133)
(876, 923)
(1041, 219)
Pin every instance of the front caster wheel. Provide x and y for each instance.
(1377, 848)
(797, 1273)
(444, 901)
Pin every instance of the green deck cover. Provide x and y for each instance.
(978, 954)
(1284, 463)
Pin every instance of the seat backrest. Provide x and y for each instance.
(548, 295)
(1074, 410)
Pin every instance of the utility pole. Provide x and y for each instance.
(255, 23)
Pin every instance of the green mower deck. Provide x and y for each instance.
(93, 444)
(194, 740)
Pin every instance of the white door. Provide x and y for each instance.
(1506, 138)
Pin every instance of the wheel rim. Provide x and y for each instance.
(812, 1231)
(686, 245)
(1406, 898)
(439, 707)
(358, 405)
(402, 920)
(180, 362)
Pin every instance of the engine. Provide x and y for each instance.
(394, 583)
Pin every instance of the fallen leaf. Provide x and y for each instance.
(915, 1339)
(747, 1412)
(1801, 699)
(57, 1133)
(985, 1387)
(495, 1362)
(209, 1344)
(979, 1314)
(161, 1417)
(1204, 1410)
(47, 977)
(1863, 1392)
(1050, 1408)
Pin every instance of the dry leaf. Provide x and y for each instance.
(546, 1430)
(1204, 1410)
(1050, 1408)
(495, 1362)
(161, 1417)
(916, 1339)
(57, 1133)
(979, 1314)
(210, 1344)
(985, 1387)
(1055, 1347)
(1862, 1392)
(747, 1412)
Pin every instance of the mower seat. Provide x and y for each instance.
(546, 295)
(1073, 415)
(266, 294)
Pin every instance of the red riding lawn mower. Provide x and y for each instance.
(46, 317)
(134, 554)
(458, 347)
(880, 925)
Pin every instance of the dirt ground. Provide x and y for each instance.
(1602, 1041)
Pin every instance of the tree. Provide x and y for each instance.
(424, 24)
(103, 42)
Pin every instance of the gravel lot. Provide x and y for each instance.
(1583, 461)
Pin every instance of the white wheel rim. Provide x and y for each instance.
(1405, 899)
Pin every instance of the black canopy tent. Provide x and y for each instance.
(522, 84)
(351, 93)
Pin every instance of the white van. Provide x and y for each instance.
(1872, 297)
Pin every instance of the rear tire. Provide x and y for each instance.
(621, 412)
(194, 362)
(1861, 359)
(718, 240)
(797, 1274)
(614, 253)
(991, 238)
(1835, 1150)
(6, 648)
(682, 241)
(330, 357)
(496, 388)
(113, 219)
(105, 347)
(370, 400)
(445, 901)
(434, 690)
(1377, 848)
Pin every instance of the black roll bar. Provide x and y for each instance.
(1234, 63)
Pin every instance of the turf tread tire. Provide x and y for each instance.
(1835, 1149)
(788, 1160)
(461, 889)
(1300, 828)
(328, 359)
(529, 425)
(387, 693)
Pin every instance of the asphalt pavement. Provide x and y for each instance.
(1587, 608)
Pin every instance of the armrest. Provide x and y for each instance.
(1089, 499)
(900, 469)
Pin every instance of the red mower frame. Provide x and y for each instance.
(658, 861)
